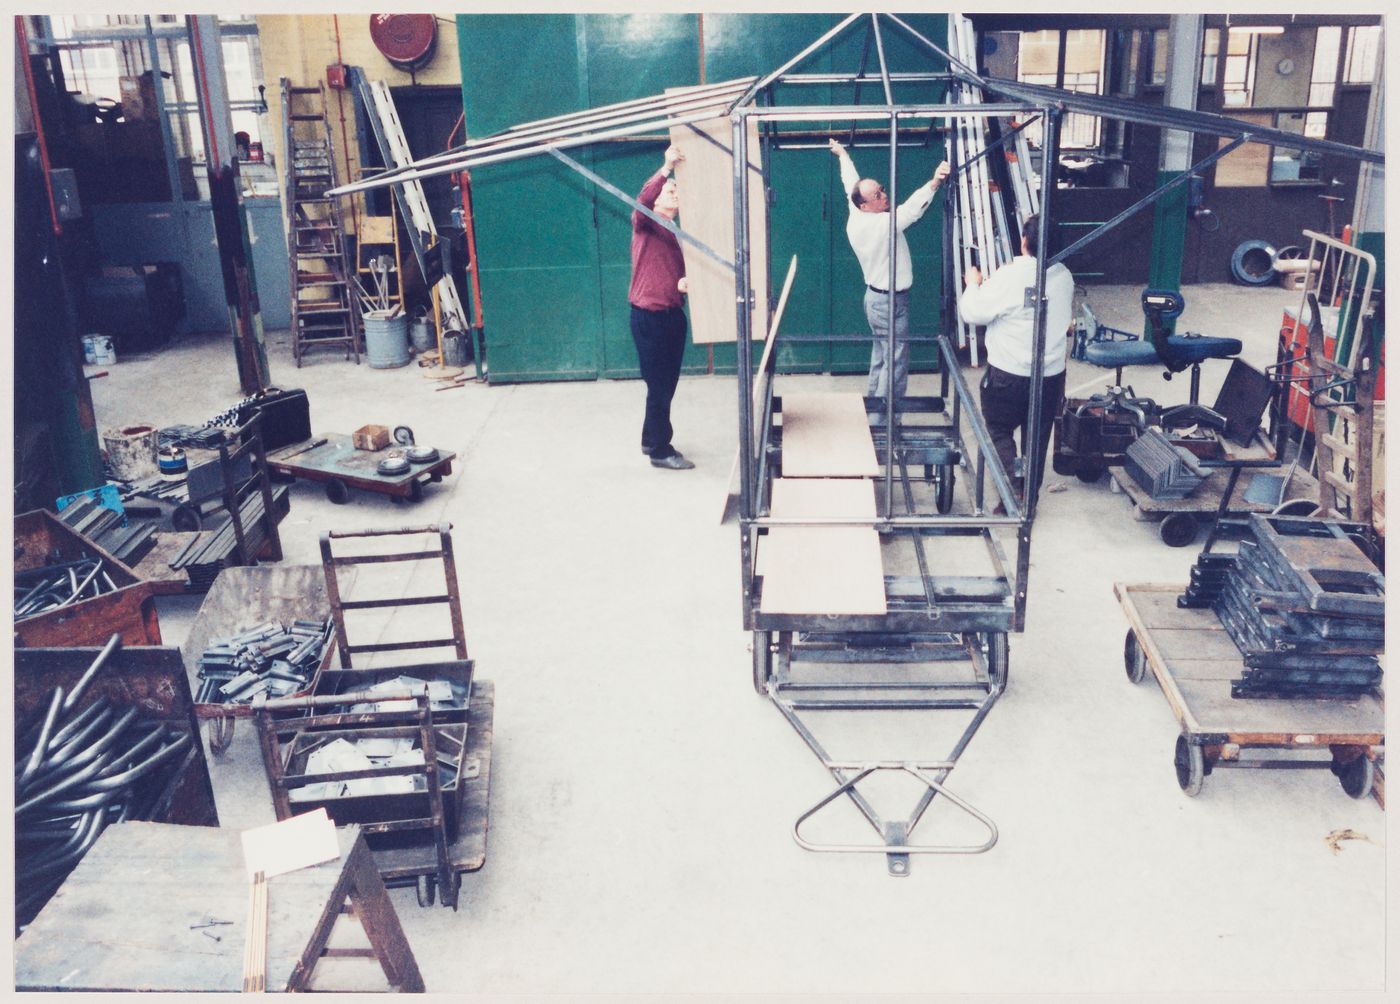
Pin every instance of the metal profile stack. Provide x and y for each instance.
(1164, 471)
(980, 234)
(103, 526)
(1304, 606)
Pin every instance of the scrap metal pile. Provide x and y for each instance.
(268, 659)
(104, 527)
(78, 769)
(1303, 604)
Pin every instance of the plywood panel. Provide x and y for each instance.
(822, 570)
(705, 180)
(827, 436)
(1248, 166)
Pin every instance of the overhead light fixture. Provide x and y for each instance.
(1256, 29)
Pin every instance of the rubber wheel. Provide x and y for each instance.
(946, 479)
(403, 435)
(1134, 659)
(1252, 264)
(415, 491)
(762, 661)
(337, 491)
(1090, 475)
(426, 890)
(998, 655)
(187, 519)
(1357, 776)
(1178, 529)
(220, 734)
(1190, 764)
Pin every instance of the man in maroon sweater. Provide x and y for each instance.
(658, 322)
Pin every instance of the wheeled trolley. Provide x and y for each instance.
(333, 461)
(1180, 520)
(1194, 660)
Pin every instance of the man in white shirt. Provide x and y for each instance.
(1001, 304)
(868, 228)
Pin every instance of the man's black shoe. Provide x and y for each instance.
(675, 462)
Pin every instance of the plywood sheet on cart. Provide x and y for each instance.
(705, 180)
(827, 436)
(1214, 710)
(822, 570)
(1195, 644)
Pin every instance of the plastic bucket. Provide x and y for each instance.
(386, 340)
(422, 335)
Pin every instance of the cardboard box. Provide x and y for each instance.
(370, 437)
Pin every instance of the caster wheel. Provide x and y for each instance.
(1178, 529)
(415, 491)
(946, 477)
(1134, 659)
(337, 491)
(998, 655)
(762, 661)
(1190, 764)
(403, 435)
(1357, 776)
(220, 734)
(1089, 475)
(187, 519)
(426, 890)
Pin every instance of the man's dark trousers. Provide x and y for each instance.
(660, 339)
(1005, 400)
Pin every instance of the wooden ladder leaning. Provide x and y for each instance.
(325, 310)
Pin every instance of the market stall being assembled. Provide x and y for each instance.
(868, 586)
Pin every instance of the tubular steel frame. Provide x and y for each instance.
(939, 615)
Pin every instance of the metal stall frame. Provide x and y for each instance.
(971, 615)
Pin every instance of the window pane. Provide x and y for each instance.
(1361, 54)
(1324, 68)
(1321, 94)
(1210, 54)
(1040, 54)
(1316, 125)
(1158, 74)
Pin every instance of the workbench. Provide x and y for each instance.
(1193, 659)
(155, 907)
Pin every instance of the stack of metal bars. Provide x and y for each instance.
(39, 590)
(1164, 471)
(103, 526)
(1297, 641)
(206, 554)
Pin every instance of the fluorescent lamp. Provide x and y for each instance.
(1256, 29)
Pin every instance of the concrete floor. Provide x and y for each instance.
(643, 795)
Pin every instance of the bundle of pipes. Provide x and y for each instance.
(40, 590)
(268, 659)
(76, 771)
(103, 527)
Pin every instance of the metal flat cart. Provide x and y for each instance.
(1181, 519)
(416, 863)
(334, 461)
(1193, 659)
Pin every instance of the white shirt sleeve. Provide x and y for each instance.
(915, 206)
(981, 304)
(849, 178)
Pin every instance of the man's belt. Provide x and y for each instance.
(884, 292)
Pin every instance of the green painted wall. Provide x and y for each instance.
(554, 251)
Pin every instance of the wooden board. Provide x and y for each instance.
(822, 570)
(705, 181)
(827, 436)
(337, 458)
(1196, 680)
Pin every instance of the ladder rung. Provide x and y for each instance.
(1337, 446)
(307, 118)
(1338, 482)
(303, 90)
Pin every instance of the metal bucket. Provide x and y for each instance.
(454, 348)
(423, 336)
(386, 340)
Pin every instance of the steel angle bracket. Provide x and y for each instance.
(895, 834)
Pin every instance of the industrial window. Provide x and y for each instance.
(1363, 47)
(1241, 51)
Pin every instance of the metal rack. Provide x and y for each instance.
(954, 627)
